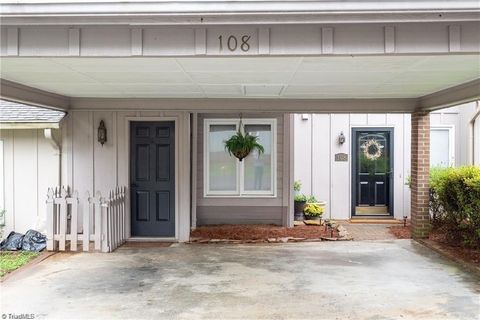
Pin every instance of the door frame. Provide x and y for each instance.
(127, 147)
(353, 191)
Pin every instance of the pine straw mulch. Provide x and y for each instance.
(456, 250)
(401, 232)
(261, 232)
(437, 239)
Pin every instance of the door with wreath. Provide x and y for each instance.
(372, 172)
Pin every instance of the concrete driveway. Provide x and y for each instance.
(397, 279)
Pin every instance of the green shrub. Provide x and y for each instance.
(455, 203)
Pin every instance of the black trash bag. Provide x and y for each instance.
(13, 242)
(34, 241)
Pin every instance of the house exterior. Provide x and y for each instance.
(171, 80)
(29, 163)
(30, 155)
(330, 180)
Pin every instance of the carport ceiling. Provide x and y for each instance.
(240, 77)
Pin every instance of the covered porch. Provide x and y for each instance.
(190, 75)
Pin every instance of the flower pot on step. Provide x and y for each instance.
(298, 210)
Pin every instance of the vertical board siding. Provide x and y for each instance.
(104, 170)
(30, 165)
(303, 149)
(320, 174)
(340, 175)
(47, 175)
(83, 156)
(396, 120)
(9, 165)
(95, 168)
(25, 159)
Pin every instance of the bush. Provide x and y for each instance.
(455, 203)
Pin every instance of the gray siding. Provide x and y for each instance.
(244, 210)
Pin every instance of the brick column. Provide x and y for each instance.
(420, 167)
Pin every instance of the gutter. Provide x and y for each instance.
(56, 144)
(29, 125)
(189, 12)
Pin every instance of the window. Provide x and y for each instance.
(224, 175)
(442, 146)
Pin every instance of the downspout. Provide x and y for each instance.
(50, 136)
(472, 141)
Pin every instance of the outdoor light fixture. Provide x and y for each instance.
(341, 138)
(102, 133)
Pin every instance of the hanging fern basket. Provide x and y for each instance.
(242, 144)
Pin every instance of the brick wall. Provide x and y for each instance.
(420, 157)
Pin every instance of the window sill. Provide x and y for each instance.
(249, 196)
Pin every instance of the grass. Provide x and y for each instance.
(10, 261)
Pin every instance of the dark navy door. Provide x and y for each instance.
(372, 171)
(152, 178)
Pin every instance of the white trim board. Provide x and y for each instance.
(239, 191)
(451, 141)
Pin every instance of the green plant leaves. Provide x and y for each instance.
(455, 202)
(241, 145)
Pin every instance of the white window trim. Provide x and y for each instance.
(239, 192)
(451, 141)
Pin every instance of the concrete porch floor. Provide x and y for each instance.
(344, 280)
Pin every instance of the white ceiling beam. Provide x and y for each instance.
(336, 39)
(445, 98)
(463, 93)
(248, 105)
(17, 92)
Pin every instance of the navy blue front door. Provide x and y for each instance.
(152, 178)
(372, 171)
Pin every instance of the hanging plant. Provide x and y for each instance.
(242, 144)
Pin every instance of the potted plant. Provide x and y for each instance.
(313, 211)
(241, 144)
(299, 201)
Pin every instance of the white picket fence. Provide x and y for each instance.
(103, 220)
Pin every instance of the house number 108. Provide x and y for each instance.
(233, 43)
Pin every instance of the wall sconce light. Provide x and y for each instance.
(102, 133)
(341, 138)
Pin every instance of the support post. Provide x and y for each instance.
(51, 221)
(420, 167)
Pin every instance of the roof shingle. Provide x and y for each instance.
(13, 112)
